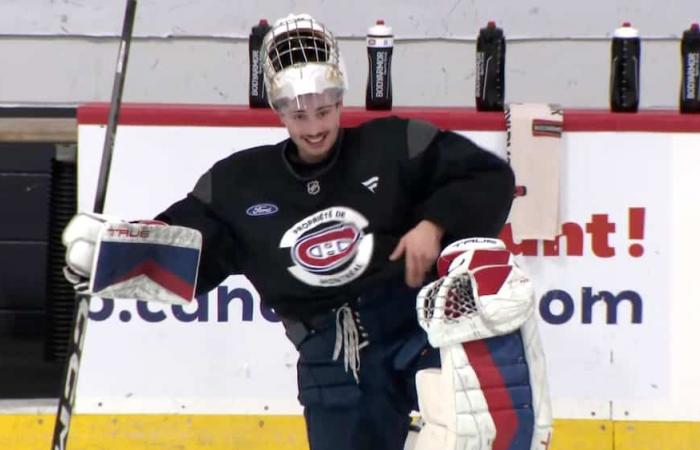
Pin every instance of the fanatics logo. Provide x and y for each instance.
(371, 184)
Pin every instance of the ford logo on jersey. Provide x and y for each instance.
(328, 248)
(262, 209)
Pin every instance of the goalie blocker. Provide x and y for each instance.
(491, 390)
(146, 260)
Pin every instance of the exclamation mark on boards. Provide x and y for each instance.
(636, 231)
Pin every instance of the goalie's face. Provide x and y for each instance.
(313, 123)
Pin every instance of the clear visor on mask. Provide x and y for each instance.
(309, 100)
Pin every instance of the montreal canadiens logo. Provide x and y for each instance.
(329, 248)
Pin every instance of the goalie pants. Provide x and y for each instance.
(373, 412)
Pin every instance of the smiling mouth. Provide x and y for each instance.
(315, 140)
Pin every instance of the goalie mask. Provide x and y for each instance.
(300, 56)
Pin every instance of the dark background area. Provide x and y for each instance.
(38, 196)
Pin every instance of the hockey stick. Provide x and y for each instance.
(66, 400)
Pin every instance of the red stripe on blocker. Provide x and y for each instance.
(495, 391)
(162, 277)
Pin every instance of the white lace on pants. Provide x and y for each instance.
(350, 337)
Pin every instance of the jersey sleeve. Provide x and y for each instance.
(196, 211)
(465, 189)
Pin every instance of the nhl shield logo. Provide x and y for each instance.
(329, 248)
(313, 187)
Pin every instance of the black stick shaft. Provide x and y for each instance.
(66, 401)
(114, 107)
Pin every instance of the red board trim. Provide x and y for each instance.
(448, 118)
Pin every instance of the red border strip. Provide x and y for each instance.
(448, 118)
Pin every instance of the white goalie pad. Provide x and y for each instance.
(455, 411)
(147, 261)
(464, 407)
(484, 294)
(491, 390)
(541, 403)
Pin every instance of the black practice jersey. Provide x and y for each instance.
(310, 238)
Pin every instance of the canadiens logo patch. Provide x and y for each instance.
(329, 248)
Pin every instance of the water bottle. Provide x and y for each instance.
(380, 45)
(690, 70)
(624, 70)
(257, 97)
(490, 68)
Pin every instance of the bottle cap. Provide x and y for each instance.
(263, 23)
(626, 31)
(380, 29)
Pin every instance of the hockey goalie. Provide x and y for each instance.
(491, 390)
